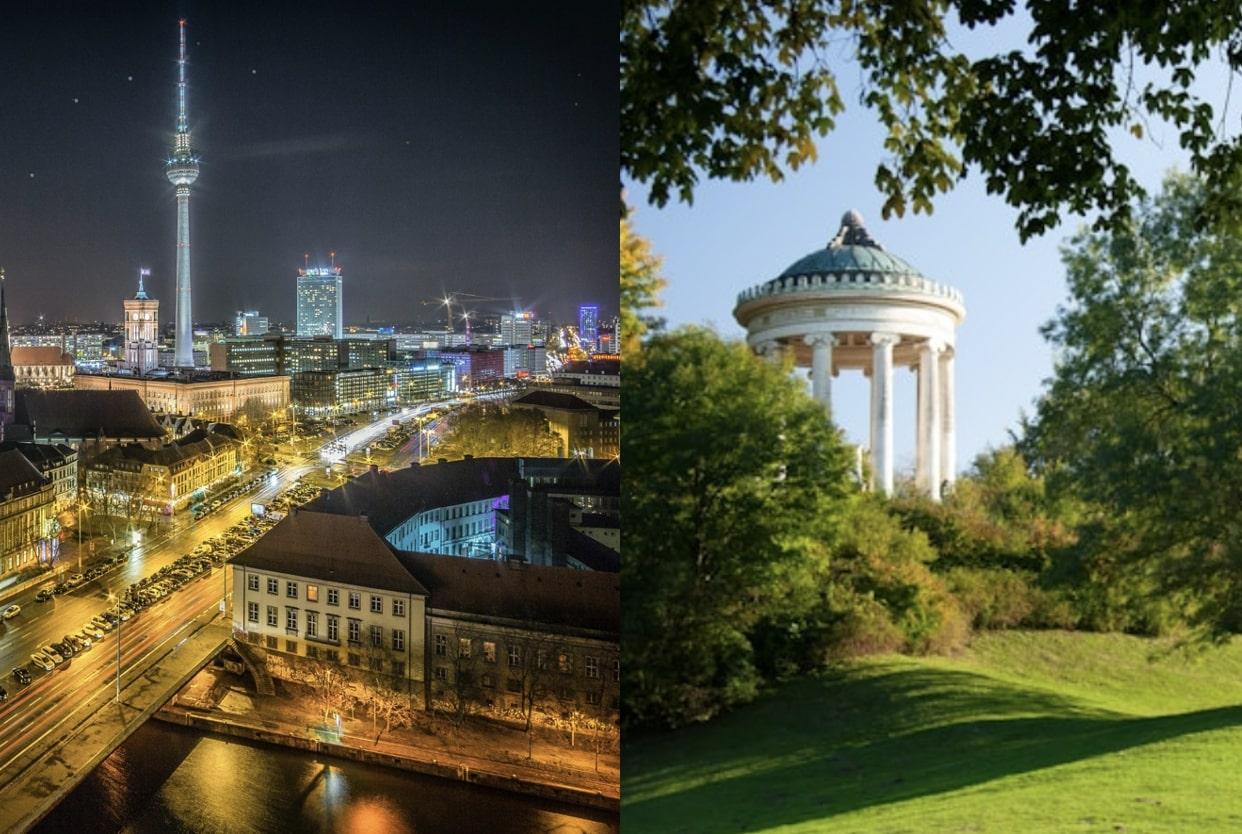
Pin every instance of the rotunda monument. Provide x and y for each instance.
(855, 306)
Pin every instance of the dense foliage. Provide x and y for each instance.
(485, 431)
(641, 283)
(740, 89)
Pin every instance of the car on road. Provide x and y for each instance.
(76, 579)
(60, 588)
(21, 675)
(11, 612)
(43, 661)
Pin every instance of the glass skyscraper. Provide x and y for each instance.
(588, 327)
(319, 302)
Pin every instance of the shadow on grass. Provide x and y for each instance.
(821, 747)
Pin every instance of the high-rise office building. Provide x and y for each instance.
(515, 328)
(588, 327)
(319, 302)
(182, 171)
(250, 323)
(142, 329)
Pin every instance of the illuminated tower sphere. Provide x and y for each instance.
(8, 380)
(182, 171)
(142, 329)
(853, 305)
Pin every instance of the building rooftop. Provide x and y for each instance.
(556, 400)
(389, 498)
(332, 548)
(18, 475)
(594, 554)
(41, 454)
(184, 377)
(551, 596)
(852, 250)
(85, 414)
(50, 355)
(602, 367)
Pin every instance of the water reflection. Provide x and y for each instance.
(169, 779)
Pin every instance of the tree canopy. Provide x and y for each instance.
(736, 477)
(493, 431)
(1141, 418)
(740, 89)
(641, 283)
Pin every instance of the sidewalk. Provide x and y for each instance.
(482, 752)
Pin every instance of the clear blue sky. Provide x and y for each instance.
(739, 234)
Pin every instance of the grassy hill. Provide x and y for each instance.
(1030, 732)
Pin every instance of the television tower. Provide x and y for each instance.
(182, 171)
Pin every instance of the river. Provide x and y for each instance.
(168, 779)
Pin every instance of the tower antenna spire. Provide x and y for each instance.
(181, 114)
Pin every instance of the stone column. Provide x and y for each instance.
(770, 350)
(929, 376)
(821, 367)
(882, 410)
(920, 423)
(948, 435)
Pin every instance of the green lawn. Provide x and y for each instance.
(1029, 732)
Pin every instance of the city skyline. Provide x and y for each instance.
(488, 179)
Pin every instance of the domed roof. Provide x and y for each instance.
(852, 250)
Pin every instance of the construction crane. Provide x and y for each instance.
(451, 298)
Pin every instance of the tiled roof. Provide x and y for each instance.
(35, 355)
(86, 414)
(17, 473)
(551, 596)
(332, 548)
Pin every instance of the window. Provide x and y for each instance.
(272, 615)
(565, 663)
(312, 623)
(354, 628)
(398, 608)
(515, 684)
(273, 587)
(291, 620)
(252, 581)
(291, 646)
(441, 673)
(398, 640)
(252, 612)
(489, 651)
(355, 600)
(333, 622)
(312, 593)
(377, 604)
(271, 642)
(441, 646)
(377, 664)
(515, 657)
(463, 647)
(332, 654)
(488, 680)
(355, 659)
(291, 590)
(616, 671)
(334, 596)
(398, 668)
(377, 636)
(592, 666)
(593, 698)
(566, 693)
(541, 660)
(312, 652)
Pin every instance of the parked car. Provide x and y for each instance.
(21, 675)
(43, 661)
(52, 654)
(102, 623)
(94, 631)
(64, 650)
(84, 638)
(76, 579)
(11, 612)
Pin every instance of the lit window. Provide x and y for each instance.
(252, 582)
(312, 593)
(463, 647)
(489, 651)
(441, 645)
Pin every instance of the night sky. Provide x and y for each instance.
(446, 146)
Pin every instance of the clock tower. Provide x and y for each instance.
(142, 329)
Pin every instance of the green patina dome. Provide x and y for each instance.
(852, 250)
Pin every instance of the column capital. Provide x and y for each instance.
(816, 339)
(934, 346)
(767, 347)
(878, 339)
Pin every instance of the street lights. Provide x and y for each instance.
(83, 507)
